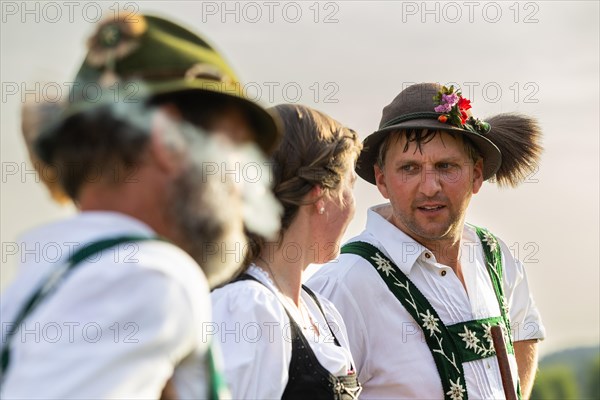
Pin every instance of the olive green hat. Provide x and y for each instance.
(144, 57)
(508, 143)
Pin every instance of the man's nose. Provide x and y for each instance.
(430, 182)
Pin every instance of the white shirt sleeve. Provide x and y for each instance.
(123, 348)
(346, 305)
(255, 340)
(525, 319)
(336, 359)
(334, 321)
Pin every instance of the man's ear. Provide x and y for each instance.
(477, 175)
(167, 146)
(380, 181)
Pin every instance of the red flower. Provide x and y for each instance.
(464, 104)
(442, 118)
(463, 116)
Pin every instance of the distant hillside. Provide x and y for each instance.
(577, 360)
(569, 374)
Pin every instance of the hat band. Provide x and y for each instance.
(472, 124)
(410, 116)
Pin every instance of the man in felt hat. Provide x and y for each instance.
(124, 305)
(419, 289)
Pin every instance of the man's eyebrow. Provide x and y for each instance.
(406, 161)
(452, 159)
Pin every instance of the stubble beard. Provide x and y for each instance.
(447, 230)
(442, 233)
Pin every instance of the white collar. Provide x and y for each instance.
(88, 226)
(400, 247)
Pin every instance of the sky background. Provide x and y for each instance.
(350, 59)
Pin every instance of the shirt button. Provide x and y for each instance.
(427, 255)
(443, 273)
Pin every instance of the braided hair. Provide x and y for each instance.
(314, 151)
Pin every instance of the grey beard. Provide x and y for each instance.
(208, 215)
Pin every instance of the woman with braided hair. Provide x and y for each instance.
(278, 338)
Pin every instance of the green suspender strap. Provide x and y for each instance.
(452, 345)
(493, 261)
(218, 387)
(53, 282)
(59, 275)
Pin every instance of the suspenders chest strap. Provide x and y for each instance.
(54, 280)
(451, 345)
(217, 383)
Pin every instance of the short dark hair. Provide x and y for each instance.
(92, 145)
(103, 144)
(420, 137)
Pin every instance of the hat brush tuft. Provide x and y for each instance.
(518, 138)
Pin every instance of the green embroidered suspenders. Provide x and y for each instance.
(452, 345)
(218, 387)
(217, 383)
(53, 282)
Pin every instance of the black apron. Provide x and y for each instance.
(307, 378)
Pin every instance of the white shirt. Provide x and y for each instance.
(255, 338)
(392, 357)
(119, 326)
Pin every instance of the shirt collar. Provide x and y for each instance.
(400, 247)
(88, 226)
(403, 250)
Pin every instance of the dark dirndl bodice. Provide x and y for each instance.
(307, 378)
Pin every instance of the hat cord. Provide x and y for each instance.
(410, 116)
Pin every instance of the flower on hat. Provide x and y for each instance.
(450, 99)
(453, 107)
(464, 103)
(443, 108)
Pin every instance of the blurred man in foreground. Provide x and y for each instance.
(123, 307)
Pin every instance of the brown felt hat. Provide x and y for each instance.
(414, 108)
